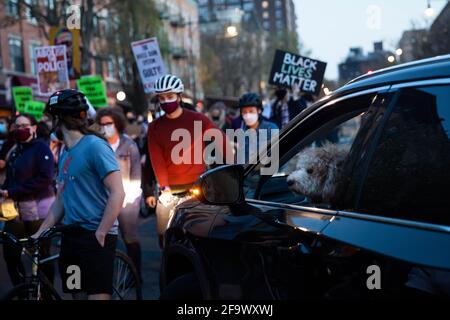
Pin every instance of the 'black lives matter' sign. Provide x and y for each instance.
(290, 68)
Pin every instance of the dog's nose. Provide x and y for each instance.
(290, 182)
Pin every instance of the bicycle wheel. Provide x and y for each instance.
(29, 291)
(126, 282)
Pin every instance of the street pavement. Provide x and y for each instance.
(151, 257)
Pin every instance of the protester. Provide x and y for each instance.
(112, 124)
(251, 107)
(217, 114)
(286, 106)
(174, 178)
(90, 193)
(29, 176)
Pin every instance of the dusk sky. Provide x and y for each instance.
(330, 27)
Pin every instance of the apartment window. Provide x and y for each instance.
(248, 6)
(31, 47)
(16, 54)
(266, 25)
(50, 4)
(28, 12)
(96, 26)
(279, 14)
(279, 24)
(122, 70)
(266, 15)
(278, 4)
(265, 4)
(98, 66)
(111, 68)
(12, 8)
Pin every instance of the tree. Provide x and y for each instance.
(56, 15)
(232, 66)
(131, 21)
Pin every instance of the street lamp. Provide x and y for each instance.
(429, 11)
(121, 96)
(399, 52)
(231, 31)
(391, 59)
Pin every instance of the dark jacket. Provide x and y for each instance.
(29, 172)
(294, 107)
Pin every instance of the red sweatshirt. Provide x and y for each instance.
(160, 147)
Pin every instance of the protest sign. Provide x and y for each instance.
(290, 68)
(71, 39)
(93, 88)
(21, 95)
(35, 108)
(149, 62)
(52, 69)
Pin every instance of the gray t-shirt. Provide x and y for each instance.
(80, 177)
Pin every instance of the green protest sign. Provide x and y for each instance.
(21, 95)
(35, 108)
(94, 89)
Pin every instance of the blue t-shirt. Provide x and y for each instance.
(80, 176)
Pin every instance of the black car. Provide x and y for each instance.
(385, 233)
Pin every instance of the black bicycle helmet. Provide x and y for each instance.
(250, 100)
(67, 102)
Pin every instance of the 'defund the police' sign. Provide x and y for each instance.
(290, 68)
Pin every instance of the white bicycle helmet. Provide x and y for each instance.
(169, 83)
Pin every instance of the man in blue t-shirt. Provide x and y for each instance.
(90, 194)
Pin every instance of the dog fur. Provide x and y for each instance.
(317, 172)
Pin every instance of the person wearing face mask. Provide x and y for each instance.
(250, 105)
(29, 177)
(217, 114)
(112, 124)
(176, 177)
(90, 194)
(7, 142)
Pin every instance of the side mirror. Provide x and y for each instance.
(222, 186)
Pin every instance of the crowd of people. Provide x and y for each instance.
(101, 169)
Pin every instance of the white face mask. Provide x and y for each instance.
(250, 118)
(109, 130)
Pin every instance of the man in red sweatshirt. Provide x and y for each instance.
(178, 168)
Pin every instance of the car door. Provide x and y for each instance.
(338, 122)
(257, 238)
(400, 214)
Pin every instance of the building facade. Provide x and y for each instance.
(20, 33)
(273, 16)
(181, 25)
(18, 38)
(357, 63)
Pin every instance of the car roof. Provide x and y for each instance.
(436, 67)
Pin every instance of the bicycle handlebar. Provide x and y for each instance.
(47, 234)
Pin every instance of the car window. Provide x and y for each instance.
(308, 170)
(409, 172)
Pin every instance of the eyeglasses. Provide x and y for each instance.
(22, 126)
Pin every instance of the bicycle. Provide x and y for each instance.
(126, 281)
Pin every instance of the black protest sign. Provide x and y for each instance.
(290, 68)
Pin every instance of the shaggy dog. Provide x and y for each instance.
(317, 171)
